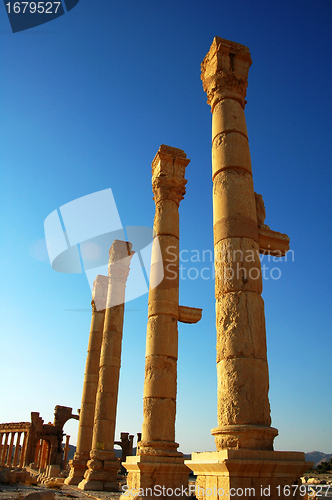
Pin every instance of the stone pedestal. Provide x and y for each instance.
(90, 384)
(151, 476)
(103, 465)
(243, 473)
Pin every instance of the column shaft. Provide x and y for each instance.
(85, 429)
(158, 462)
(244, 438)
(103, 466)
(242, 370)
(10, 449)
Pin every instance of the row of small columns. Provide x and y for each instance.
(7, 445)
(42, 454)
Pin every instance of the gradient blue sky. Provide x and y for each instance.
(86, 101)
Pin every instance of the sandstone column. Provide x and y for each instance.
(24, 449)
(44, 449)
(243, 381)
(65, 458)
(160, 384)
(17, 448)
(244, 436)
(158, 461)
(10, 450)
(36, 457)
(103, 466)
(90, 384)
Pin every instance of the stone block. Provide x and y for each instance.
(241, 473)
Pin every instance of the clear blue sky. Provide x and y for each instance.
(86, 101)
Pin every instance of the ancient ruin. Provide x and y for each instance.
(103, 465)
(245, 459)
(158, 462)
(244, 436)
(36, 443)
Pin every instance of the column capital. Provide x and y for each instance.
(224, 71)
(168, 170)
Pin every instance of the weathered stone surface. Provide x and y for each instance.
(101, 473)
(228, 117)
(242, 392)
(247, 473)
(241, 346)
(237, 266)
(41, 495)
(240, 326)
(234, 195)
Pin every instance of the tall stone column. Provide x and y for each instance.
(90, 384)
(243, 381)
(160, 384)
(158, 462)
(103, 465)
(244, 436)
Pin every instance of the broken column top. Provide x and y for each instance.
(120, 255)
(224, 71)
(119, 250)
(99, 292)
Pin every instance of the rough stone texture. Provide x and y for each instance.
(103, 466)
(262, 471)
(244, 438)
(235, 312)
